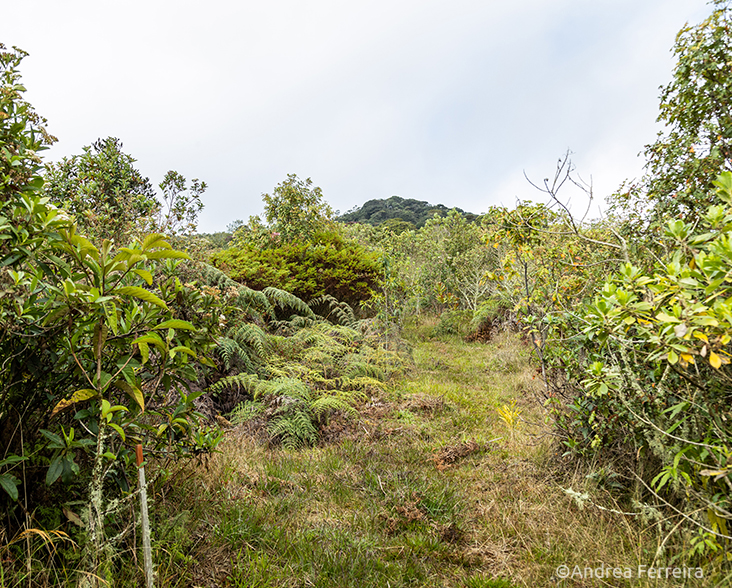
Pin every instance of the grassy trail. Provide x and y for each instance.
(430, 487)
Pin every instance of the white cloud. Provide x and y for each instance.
(436, 100)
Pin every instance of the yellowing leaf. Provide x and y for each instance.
(667, 318)
(687, 358)
(714, 360)
(78, 396)
(133, 391)
(700, 335)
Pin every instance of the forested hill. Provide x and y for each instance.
(416, 212)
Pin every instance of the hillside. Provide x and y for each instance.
(416, 212)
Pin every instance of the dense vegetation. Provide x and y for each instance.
(119, 327)
(397, 213)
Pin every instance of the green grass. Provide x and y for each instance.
(427, 488)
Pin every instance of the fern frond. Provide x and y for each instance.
(285, 299)
(295, 323)
(327, 403)
(294, 430)
(233, 354)
(246, 411)
(361, 368)
(250, 383)
(251, 335)
(333, 310)
(361, 383)
(290, 387)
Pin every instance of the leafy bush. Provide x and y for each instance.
(453, 322)
(95, 355)
(327, 264)
(661, 376)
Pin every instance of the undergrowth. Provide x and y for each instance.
(428, 485)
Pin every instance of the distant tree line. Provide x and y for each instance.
(412, 213)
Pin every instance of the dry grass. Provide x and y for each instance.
(426, 488)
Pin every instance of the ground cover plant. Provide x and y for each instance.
(431, 486)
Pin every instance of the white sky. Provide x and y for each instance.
(444, 101)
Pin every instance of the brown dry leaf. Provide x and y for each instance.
(450, 454)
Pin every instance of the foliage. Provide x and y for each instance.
(444, 265)
(296, 210)
(327, 264)
(662, 366)
(413, 214)
(103, 190)
(696, 144)
(95, 354)
(110, 198)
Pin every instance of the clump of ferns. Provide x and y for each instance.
(293, 410)
(245, 346)
(334, 311)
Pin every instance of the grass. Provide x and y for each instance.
(430, 487)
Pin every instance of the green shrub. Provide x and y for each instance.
(659, 372)
(327, 264)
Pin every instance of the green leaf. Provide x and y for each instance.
(168, 254)
(110, 311)
(175, 324)
(153, 338)
(141, 294)
(145, 275)
(155, 240)
(10, 484)
(12, 460)
(144, 351)
(56, 441)
(54, 470)
(672, 357)
(183, 349)
(119, 430)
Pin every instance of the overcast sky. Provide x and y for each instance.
(444, 101)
